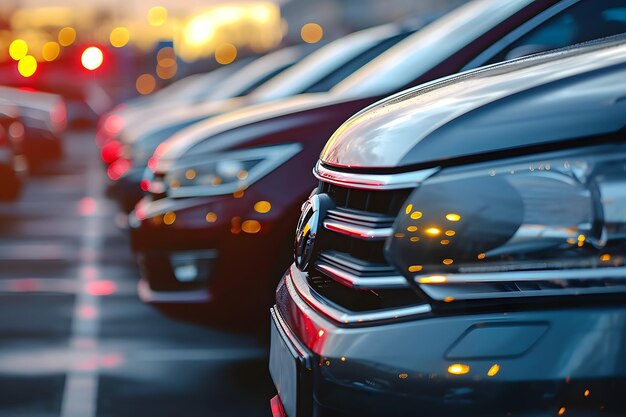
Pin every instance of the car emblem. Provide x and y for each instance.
(309, 225)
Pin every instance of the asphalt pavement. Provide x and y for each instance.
(75, 341)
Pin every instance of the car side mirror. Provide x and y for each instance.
(526, 50)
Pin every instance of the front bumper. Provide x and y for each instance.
(198, 251)
(525, 363)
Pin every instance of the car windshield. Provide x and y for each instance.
(405, 62)
(319, 64)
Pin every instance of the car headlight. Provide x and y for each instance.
(553, 224)
(224, 173)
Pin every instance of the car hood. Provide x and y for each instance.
(569, 94)
(236, 128)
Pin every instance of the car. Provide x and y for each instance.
(12, 161)
(223, 194)
(44, 119)
(319, 71)
(463, 251)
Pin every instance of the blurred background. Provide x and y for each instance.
(105, 51)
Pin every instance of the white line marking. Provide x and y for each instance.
(81, 384)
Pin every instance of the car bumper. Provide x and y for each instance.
(524, 363)
(190, 257)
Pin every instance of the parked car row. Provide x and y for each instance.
(31, 129)
(457, 223)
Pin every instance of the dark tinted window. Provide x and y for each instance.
(583, 21)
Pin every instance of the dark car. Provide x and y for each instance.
(44, 119)
(463, 252)
(317, 72)
(12, 161)
(225, 193)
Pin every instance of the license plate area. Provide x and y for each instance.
(290, 368)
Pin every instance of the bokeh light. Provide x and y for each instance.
(145, 84)
(27, 66)
(50, 51)
(67, 36)
(312, 33)
(225, 53)
(92, 58)
(18, 49)
(119, 37)
(157, 15)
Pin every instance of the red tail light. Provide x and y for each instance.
(277, 407)
(118, 168)
(111, 151)
(58, 116)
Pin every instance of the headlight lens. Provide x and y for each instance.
(225, 173)
(547, 225)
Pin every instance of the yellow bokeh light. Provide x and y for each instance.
(119, 37)
(251, 226)
(67, 36)
(211, 217)
(448, 261)
(415, 268)
(225, 53)
(453, 217)
(416, 215)
(562, 411)
(433, 279)
(493, 371)
(169, 217)
(408, 209)
(18, 49)
(481, 256)
(433, 231)
(411, 229)
(27, 66)
(92, 58)
(190, 174)
(165, 73)
(311, 33)
(145, 84)
(450, 233)
(157, 15)
(262, 206)
(50, 51)
(445, 242)
(458, 369)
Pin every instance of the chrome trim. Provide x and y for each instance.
(362, 283)
(357, 231)
(528, 276)
(306, 299)
(516, 34)
(376, 182)
(290, 339)
(149, 296)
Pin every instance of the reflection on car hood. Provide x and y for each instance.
(237, 127)
(568, 94)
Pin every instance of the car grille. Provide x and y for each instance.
(350, 270)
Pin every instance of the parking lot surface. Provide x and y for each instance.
(75, 341)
